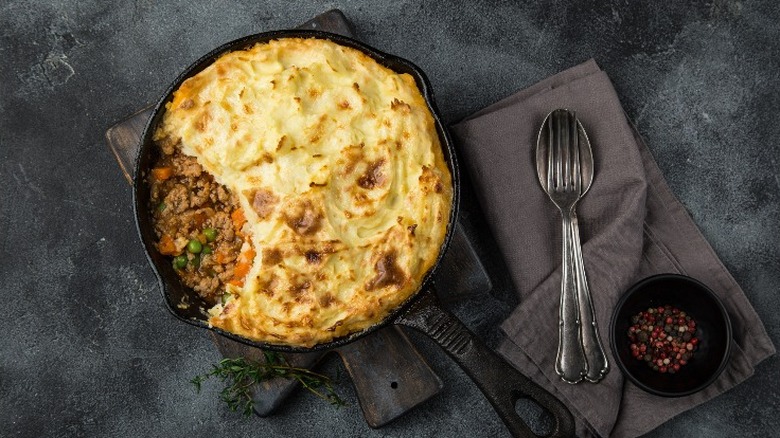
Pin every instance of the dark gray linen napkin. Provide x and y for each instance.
(631, 227)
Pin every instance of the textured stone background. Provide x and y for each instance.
(86, 346)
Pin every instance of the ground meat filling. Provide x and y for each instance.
(194, 222)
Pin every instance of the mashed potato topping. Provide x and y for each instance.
(337, 167)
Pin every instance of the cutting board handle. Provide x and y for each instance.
(502, 384)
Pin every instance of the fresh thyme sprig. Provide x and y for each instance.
(239, 376)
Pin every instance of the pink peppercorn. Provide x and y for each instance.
(663, 337)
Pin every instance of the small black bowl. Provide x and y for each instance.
(713, 328)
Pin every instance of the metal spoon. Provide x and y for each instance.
(564, 164)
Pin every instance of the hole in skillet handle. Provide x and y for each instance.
(501, 383)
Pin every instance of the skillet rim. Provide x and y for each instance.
(145, 151)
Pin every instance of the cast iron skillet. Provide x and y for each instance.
(501, 383)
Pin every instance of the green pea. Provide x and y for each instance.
(179, 262)
(194, 246)
(210, 233)
(206, 249)
(161, 207)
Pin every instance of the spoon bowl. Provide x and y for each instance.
(586, 155)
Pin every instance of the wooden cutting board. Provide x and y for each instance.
(389, 374)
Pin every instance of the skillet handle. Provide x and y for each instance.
(501, 383)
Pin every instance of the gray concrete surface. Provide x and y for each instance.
(86, 346)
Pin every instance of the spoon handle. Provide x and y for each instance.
(598, 365)
(570, 363)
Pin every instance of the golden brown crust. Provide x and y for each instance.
(338, 168)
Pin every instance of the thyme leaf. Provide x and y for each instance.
(240, 375)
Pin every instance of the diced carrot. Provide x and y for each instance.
(220, 257)
(244, 264)
(162, 173)
(241, 270)
(236, 282)
(238, 218)
(247, 256)
(167, 246)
